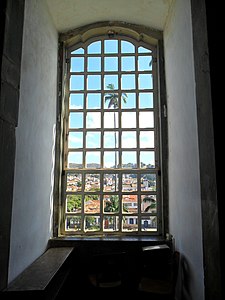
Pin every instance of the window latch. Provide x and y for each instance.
(164, 110)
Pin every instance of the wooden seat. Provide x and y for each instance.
(44, 278)
(161, 286)
(106, 270)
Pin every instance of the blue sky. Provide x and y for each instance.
(128, 84)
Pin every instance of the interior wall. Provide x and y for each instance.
(12, 16)
(185, 220)
(33, 182)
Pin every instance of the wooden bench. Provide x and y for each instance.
(44, 278)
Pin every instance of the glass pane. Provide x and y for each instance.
(129, 139)
(94, 100)
(147, 159)
(128, 63)
(130, 204)
(94, 82)
(111, 46)
(148, 203)
(129, 101)
(111, 100)
(147, 139)
(129, 159)
(143, 50)
(111, 203)
(77, 64)
(110, 120)
(92, 182)
(94, 48)
(110, 223)
(148, 182)
(76, 101)
(111, 64)
(76, 82)
(129, 182)
(128, 119)
(92, 204)
(110, 80)
(127, 47)
(149, 223)
(130, 223)
(94, 64)
(75, 140)
(92, 223)
(145, 63)
(145, 81)
(78, 51)
(111, 159)
(74, 182)
(110, 182)
(111, 139)
(75, 120)
(75, 160)
(93, 120)
(128, 81)
(73, 223)
(146, 119)
(93, 139)
(146, 100)
(73, 203)
(93, 159)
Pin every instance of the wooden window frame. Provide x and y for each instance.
(156, 48)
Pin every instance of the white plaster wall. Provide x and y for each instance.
(32, 204)
(71, 14)
(184, 180)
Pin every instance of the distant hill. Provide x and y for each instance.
(97, 166)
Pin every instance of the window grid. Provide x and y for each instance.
(77, 217)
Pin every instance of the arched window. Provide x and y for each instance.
(111, 181)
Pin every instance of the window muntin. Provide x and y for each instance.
(111, 141)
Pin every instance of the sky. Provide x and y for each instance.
(94, 83)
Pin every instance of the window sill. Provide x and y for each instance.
(73, 241)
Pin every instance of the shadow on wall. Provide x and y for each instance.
(52, 179)
(184, 279)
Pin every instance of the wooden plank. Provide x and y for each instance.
(39, 274)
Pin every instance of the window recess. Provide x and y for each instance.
(111, 182)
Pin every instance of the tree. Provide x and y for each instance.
(112, 205)
(152, 205)
(73, 203)
(113, 99)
